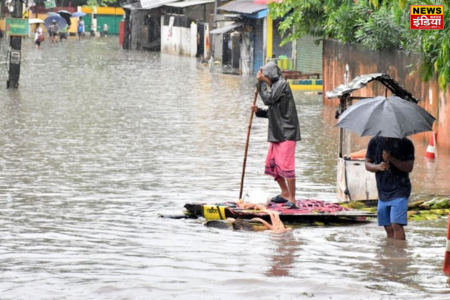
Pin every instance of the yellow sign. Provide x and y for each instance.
(429, 10)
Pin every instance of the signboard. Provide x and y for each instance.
(16, 27)
(154, 3)
(49, 4)
(427, 17)
(15, 57)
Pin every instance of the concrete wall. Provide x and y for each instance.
(362, 60)
(177, 40)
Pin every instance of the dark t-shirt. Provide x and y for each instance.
(392, 183)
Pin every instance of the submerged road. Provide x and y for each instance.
(97, 141)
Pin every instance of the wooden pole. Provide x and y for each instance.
(246, 144)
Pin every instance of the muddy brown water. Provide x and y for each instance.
(98, 141)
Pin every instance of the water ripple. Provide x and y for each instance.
(98, 141)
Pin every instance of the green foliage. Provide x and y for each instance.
(344, 21)
(92, 3)
(435, 50)
(75, 3)
(380, 30)
(98, 3)
(307, 16)
(378, 24)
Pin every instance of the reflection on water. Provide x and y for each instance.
(97, 141)
(393, 261)
(283, 258)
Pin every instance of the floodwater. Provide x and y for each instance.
(98, 141)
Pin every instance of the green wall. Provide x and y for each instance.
(113, 22)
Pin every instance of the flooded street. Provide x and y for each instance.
(97, 141)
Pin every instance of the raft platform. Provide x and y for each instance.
(313, 212)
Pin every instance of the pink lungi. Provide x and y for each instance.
(280, 160)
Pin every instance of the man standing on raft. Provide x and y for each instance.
(283, 131)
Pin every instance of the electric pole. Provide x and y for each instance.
(15, 53)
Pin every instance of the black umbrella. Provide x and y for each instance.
(66, 15)
(388, 117)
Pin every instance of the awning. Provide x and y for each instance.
(132, 6)
(224, 29)
(361, 81)
(149, 4)
(189, 3)
(243, 7)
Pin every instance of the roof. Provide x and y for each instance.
(361, 81)
(149, 4)
(189, 3)
(243, 7)
(225, 28)
(132, 6)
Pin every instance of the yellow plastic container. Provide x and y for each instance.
(214, 212)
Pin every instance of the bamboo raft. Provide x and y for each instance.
(309, 213)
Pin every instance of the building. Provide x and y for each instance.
(172, 27)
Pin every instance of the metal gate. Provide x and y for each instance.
(309, 55)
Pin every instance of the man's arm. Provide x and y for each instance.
(268, 91)
(404, 166)
(371, 167)
(273, 95)
(260, 113)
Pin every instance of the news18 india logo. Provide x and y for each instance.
(427, 17)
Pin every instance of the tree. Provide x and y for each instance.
(98, 3)
(378, 24)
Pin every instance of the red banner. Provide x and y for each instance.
(427, 17)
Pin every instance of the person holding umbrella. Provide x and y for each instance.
(391, 159)
(283, 132)
(53, 31)
(390, 155)
(38, 37)
(63, 33)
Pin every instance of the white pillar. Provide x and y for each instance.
(94, 20)
(193, 39)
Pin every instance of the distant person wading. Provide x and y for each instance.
(80, 28)
(53, 31)
(38, 36)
